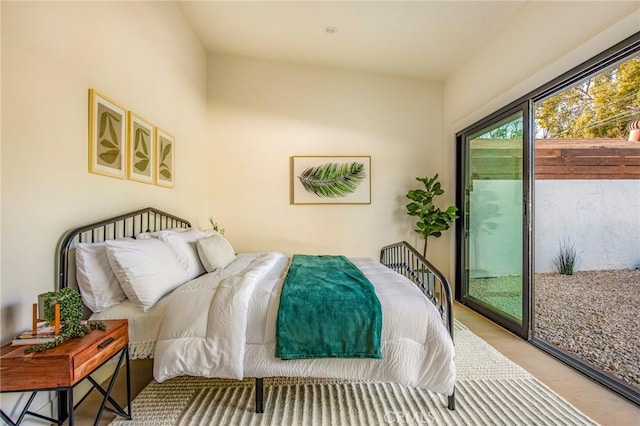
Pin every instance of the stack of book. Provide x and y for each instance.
(45, 334)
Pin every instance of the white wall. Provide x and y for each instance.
(1, 321)
(143, 55)
(261, 113)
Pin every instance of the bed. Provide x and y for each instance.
(228, 329)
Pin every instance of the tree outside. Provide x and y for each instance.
(599, 107)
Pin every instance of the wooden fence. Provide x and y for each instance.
(557, 159)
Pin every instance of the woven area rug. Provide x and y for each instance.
(490, 390)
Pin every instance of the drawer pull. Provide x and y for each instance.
(106, 343)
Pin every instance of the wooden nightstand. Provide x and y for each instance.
(61, 368)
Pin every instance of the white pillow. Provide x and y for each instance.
(183, 244)
(98, 285)
(156, 234)
(215, 252)
(147, 269)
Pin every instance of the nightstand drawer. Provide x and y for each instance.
(64, 365)
(98, 352)
(61, 368)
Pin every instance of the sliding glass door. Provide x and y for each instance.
(574, 294)
(493, 271)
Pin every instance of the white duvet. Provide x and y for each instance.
(222, 324)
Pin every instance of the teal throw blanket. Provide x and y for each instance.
(328, 309)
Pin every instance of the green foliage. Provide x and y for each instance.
(565, 260)
(509, 130)
(333, 180)
(431, 220)
(599, 107)
(70, 317)
(215, 226)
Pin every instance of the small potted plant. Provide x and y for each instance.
(431, 220)
(70, 316)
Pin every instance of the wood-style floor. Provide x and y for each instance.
(602, 405)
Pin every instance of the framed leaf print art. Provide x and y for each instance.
(141, 158)
(107, 136)
(331, 180)
(165, 166)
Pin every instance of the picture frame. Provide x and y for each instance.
(107, 136)
(331, 179)
(165, 159)
(141, 152)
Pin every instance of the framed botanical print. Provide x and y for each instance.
(165, 158)
(107, 136)
(141, 150)
(331, 180)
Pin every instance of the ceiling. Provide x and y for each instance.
(427, 39)
(423, 39)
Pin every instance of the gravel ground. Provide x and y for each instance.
(594, 315)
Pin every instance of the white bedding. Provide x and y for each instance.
(222, 324)
(144, 327)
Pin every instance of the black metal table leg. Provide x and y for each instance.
(70, 405)
(106, 394)
(128, 416)
(24, 411)
(66, 405)
(259, 395)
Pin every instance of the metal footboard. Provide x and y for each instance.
(405, 260)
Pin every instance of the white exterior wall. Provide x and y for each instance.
(600, 217)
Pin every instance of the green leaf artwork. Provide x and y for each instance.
(136, 143)
(103, 123)
(333, 180)
(142, 165)
(110, 156)
(144, 147)
(141, 149)
(109, 146)
(112, 130)
(164, 169)
(165, 152)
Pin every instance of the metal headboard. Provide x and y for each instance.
(122, 226)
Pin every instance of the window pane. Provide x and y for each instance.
(494, 217)
(587, 221)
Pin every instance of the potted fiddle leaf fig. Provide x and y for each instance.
(432, 221)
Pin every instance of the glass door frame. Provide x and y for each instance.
(607, 58)
(462, 286)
